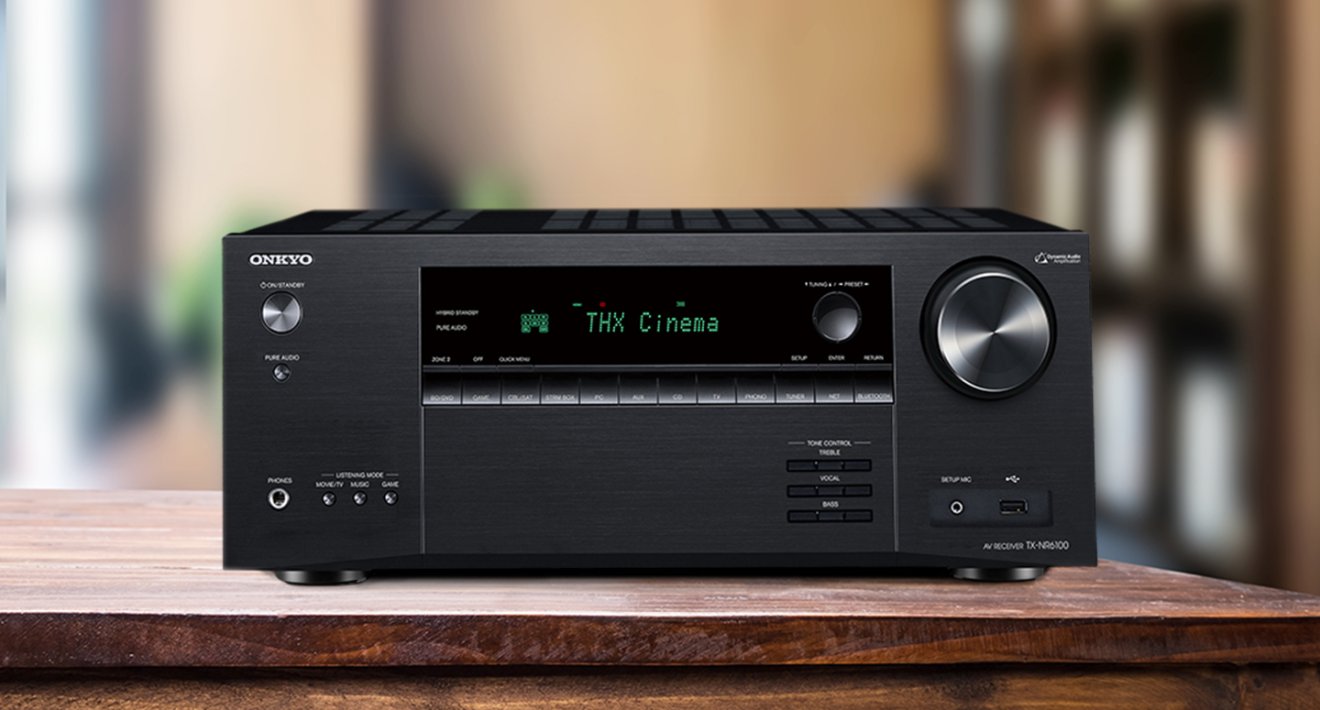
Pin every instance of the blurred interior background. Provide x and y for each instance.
(1182, 134)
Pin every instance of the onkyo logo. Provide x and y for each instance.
(280, 260)
(1048, 258)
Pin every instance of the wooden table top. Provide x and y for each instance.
(133, 578)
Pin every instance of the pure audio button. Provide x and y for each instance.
(281, 312)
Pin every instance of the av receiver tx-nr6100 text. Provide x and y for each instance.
(682, 389)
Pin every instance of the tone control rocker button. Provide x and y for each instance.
(801, 516)
(857, 516)
(801, 491)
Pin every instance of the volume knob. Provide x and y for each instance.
(989, 329)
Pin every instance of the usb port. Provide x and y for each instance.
(1012, 507)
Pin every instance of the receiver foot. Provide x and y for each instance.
(303, 576)
(999, 574)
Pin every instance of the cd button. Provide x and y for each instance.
(481, 390)
(873, 388)
(756, 389)
(794, 389)
(521, 390)
(678, 389)
(636, 390)
(715, 389)
(442, 390)
(834, 389)
(600, 390)
(556, 389)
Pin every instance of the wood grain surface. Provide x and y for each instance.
(131, 579)
(930, 687)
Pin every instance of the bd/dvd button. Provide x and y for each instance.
(636, 390)
(756, 389)
(716, 389)
(442, 390)
(793, 389)
(600, 390)
(481, 390)
(678, 389)
(559, 390)
(521, 390)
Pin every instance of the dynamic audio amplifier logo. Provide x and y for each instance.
(280, 260)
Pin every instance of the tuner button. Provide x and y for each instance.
(281, 313)
(837, 316)
(992, 330)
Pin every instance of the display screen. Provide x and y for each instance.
(654, 315)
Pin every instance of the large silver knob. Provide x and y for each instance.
(281, 312)
(989, 329)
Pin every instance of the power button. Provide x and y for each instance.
(281, 312)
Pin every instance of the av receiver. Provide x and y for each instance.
(657, 389)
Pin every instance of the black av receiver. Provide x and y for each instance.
(657, 389)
